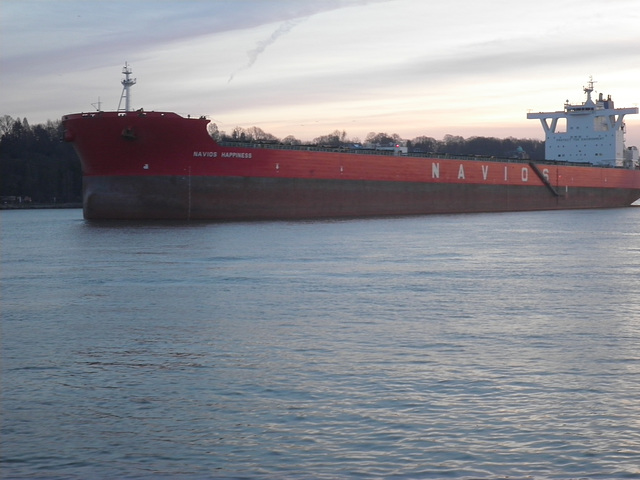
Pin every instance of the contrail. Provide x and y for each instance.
(262, 45)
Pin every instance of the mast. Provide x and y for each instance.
(588, 90)
(127, 83)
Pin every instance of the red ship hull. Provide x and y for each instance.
(162, 166)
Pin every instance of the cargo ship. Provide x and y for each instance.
(160, 165)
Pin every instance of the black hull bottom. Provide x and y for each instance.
(244, 198)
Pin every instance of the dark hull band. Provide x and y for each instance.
(255, 198)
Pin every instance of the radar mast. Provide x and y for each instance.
(588, 90)
(127, 83)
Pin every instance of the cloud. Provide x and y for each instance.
(335, 60)
(43, 36)
(262, 45)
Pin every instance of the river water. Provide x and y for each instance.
(451, 346)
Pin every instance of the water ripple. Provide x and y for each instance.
(390, 348)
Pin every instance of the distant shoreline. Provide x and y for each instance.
(46, 206)
(38, 206)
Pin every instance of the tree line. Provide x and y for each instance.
(37, 166)
(451, 144)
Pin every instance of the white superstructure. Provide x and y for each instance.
(591, 132)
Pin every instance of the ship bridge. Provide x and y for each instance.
(590, 132)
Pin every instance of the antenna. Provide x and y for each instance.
(127, 83)
(98, 105)
(588, 89)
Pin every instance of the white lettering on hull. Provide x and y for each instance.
(484, 170)
(223, 154)
(235, 155)
(545, 173)
(205, 154)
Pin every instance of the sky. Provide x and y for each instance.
(309, 67)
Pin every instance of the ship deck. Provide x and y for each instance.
(391, 153)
